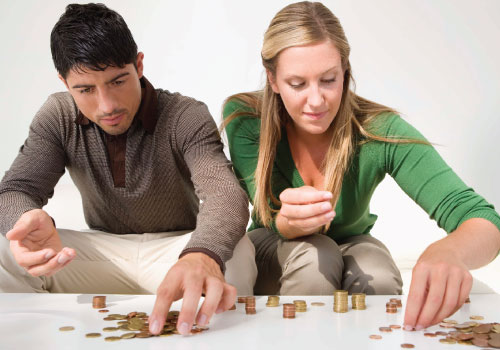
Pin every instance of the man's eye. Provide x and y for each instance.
(118, 82)
(85, 91)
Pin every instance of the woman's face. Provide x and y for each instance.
(310, 79)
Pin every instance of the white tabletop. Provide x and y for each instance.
(32, 321)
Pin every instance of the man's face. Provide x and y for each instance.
(109, 98)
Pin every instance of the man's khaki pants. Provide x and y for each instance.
(119, 264)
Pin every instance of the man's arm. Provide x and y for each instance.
(26, 187)
(221, 222)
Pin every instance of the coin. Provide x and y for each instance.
(67, 328)
(385, 329)
(103, 310)
(112, 338)
(92, 335)
(494, 342)
(128, 335)
(395, 326)
(480, 342)
(375, 336)
(99, 302)
(430, 335)
(110, 329)
(407, 346)
(317, 303)
(448, 341)
(476, 317)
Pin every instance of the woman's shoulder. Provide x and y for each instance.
(392, 125)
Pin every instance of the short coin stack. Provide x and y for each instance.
(358, 301)
(273, 301)
(99, 302)
(397, 301)
(250, 305)
(288, 310)
(242, 300)
(300, 305)
(391, 307)
(340, 300)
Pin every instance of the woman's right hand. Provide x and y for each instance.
(303, 211)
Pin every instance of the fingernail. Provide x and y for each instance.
(330, 215)
(155, 327)
(327, 195)
(419, 327)
(62, 259)
(408, 328)
(49, 255)
(325, 206)
(219, 311)
(203, 320)
(184, 328)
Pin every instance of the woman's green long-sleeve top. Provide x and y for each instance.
(417, 168)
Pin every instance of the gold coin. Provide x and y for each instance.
(67, 328)
(166, 335)
(121, 323)
(476, 317)
(92, 335)
(448, 341)
(407, 346)
(450, 321)
(317, 303)
(110, 329)
(375, 336)
(112, 338)
(128, 335)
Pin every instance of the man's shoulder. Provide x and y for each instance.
(60, 104)
(173, 107)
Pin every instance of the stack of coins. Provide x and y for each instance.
(300, 305)
(358, 301)
(391, 307)
(397, 301)
(242, 300)
(288, 310)
(340, 301)
(250, 305)
(273, 301)
(99, 302)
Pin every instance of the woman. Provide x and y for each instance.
(310, 153)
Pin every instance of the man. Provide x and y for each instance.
(142, 160)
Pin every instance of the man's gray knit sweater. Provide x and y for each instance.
(171, 158)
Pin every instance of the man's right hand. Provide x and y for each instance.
(303, 211)
(36, 245)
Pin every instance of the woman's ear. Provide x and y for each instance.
(272, 81)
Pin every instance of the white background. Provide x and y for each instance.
(434, 61)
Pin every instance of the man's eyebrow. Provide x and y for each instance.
(86, 86)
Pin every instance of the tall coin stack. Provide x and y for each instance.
(288, 310)
(358, 301)
(242, 300)
(99, 302)
(300, 305)
(250, 305)
(340, 301)
(391, 307)
(273, 301)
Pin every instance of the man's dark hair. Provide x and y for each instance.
(91, 36)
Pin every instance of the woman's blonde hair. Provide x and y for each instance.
(306, 23)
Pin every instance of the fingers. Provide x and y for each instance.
(312, 222)
(168, 291)
(191, 299)
(28, 259)
(23, 226)
(213, 294)
(451, 297)
(304, 195)
(303, 211)
(434, 300)
(54, 264)
(416, 296)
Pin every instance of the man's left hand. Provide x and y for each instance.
(192, 275)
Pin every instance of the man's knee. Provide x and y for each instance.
(241, 270)
(313, 267)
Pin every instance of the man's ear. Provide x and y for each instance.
(140, 64)
(272, 81)
(63, 80)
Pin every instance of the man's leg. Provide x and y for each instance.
(14, 278)
(160, 251)
(310, 265)
(369, 267)
(102, 265)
